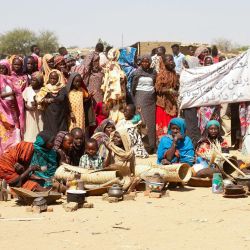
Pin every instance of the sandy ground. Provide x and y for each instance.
(189, 218)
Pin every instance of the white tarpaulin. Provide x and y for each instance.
(224, 82)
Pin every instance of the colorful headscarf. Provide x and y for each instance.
(123, 154)
(179, 122)
(126, 61)
(58, 59)
(113, 54)
(6, 63)
(46, 68)
(44, 157)
(213, 122)
(99, 114)
(49, 88)
(103, 125)
(199, 50)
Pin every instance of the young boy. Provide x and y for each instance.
(90, 159)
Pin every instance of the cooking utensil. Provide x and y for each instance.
(77, 196)
(115, 191)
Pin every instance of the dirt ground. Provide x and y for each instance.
(191, 218)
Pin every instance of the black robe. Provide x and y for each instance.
(55, 115)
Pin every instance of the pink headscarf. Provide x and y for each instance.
(6, 63)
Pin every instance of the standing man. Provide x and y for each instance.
(178, 58)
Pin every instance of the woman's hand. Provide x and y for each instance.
(34, 168)
(139, 110)
(165, 162)
(178, 137)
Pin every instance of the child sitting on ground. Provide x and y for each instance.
(91, 160)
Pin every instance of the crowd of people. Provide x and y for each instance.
(105, 109)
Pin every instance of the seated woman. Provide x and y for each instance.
(20, 165)
(63, 146)
(102, 134)
(212, 136)
(132, 124)
(175, 147)
(121, 155)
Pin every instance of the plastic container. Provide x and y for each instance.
(217, 183)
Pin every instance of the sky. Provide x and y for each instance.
(81, 22)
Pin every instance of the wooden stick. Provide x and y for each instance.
(230, 163)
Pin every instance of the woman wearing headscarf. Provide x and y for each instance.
(112, 82)
(166, 87)
(9, 122)
(93, 76)
(20, 165)
(121, 155)
(114, 85)
(5, 68)
(20, 82)
(33, 116)
(102, 134)
(204, 145)
(201, 52)
(212, 136)
(53, 100)
(175, 147)
(127, 63)
(60, 65)
(48, 65)
(77, 95)
(45, 156)
(143, 88)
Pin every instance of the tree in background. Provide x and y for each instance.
(19, 41)
(47, 42)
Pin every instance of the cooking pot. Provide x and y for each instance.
(77, 196)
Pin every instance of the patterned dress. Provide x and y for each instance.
(76, 99)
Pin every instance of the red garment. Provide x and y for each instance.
(99, 114)
(21, 153)
(216, 59)
(162, 121)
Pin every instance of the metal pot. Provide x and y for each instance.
(77, 196)
(115, 191)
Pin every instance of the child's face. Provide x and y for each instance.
(105, 110)
(68, 142)
(35, 83)
(77, 82)
(53, 78)
(128, 113)
(91, 149)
